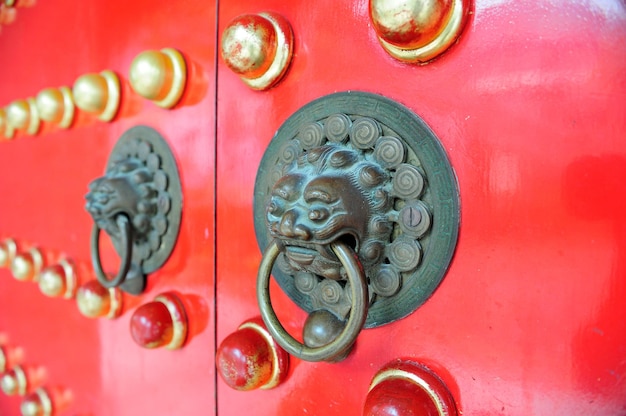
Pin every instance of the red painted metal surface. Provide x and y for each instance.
(529, 107)
(43, 180)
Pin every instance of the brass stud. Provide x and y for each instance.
(38, 403)
(14, 382)
(19, 3)
(27, 266)
(8, 250)
(6, 130)
(58, 280)
(56, 105)
(23, 115)
(9, 356)
(98, 94)
(417, 31)
(159, 76)
(7, 14)
(96, 301)
(258, 48)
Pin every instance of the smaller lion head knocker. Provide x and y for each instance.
(138, 204)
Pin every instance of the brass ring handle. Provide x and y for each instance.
(358, 312)
(127, 252)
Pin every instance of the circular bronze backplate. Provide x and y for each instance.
(146, 146)
(420, 199)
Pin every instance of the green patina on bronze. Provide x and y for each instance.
(362, 169)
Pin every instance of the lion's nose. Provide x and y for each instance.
(290, 226)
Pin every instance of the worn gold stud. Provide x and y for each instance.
(159, 76)
(8, 250)
(7, 14)
(98, 94)
(6, 130)
(38, 403)
(58, 280)
(9, 357)
(56, 105)
(19, 3)
(23, 115)
(46, 401)
(96, 301)
(27, 266)
(417, 31)
(14, 381)
(258, 48)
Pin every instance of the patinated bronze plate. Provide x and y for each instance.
(364, 170)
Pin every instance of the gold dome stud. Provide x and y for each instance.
(27, 266)
(9, 357)
(6, 130)
(258, 48)
(98, 94)
(14, 382)
(7, 14)
(56, 105)
(58, 280)
(8, 250)
(38, 403)
(96, 301)
(159, 76)
(416, 31)
(19, 3)
(23, 115)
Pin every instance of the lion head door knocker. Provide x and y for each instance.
(138, 203)
(357, 206)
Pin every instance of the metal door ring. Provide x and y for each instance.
(123, 223)
(356, 320)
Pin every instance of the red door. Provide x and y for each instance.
(528, 107)
(45, 180)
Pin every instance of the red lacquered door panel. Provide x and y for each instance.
(529, 107)
(44, 181)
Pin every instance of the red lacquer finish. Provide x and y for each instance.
(529, 106)
(250, 359)
(44, 179)
(399, 397)
(408, 388)
(151, 325)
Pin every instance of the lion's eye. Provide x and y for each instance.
(318, 214)
(275, 207)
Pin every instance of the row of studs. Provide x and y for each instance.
(28, 381)
(62, 279)
(257, 47)
(250, 359)
(159, 76)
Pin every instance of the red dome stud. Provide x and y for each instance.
(408, 388)
(249, 358)
(160, 323)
